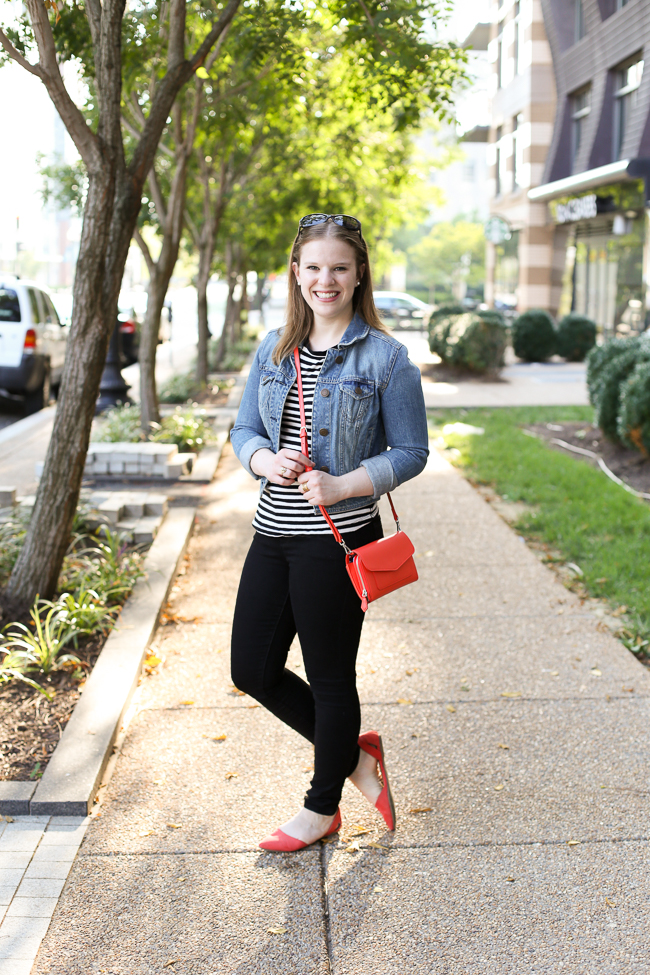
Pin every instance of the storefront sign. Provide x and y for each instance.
(580, 208)
(497, 230)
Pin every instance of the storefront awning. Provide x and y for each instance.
(614, 172)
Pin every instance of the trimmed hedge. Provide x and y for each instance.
(439, 325)
(534, 338)
(576, 335)
(608, 367)
(633, 423)
(471, 340)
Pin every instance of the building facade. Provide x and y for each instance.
(522, 112)
(596, 178)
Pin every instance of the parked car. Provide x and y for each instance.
(32, 343)
(129, 337)
(402, 311)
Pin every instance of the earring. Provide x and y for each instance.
(357, 284)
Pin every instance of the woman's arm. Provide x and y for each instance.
(327, 489)
(249, 433)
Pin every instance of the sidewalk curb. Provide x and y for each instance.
(74, 773)
(26, 425)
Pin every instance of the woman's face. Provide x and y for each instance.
(327, 275)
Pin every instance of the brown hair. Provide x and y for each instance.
(300, 317)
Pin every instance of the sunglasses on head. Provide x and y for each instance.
(341, 219)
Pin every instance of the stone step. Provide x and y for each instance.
(141, 530)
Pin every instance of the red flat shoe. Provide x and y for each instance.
(371, 743)
(280, 842)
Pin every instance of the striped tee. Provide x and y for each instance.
(282, 509)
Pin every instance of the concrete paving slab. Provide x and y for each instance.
(479, 659)
(564, 774)
(194, 913)
(437, 912)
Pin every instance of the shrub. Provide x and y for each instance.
(440, 324)
(478, 342)
(633, 425)
(599, 358)
(121, 424)
(179, 389)
(534, 338)
(608, 390)
(576, 335)
(186, 428)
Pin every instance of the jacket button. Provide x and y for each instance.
(325, 393)
(358, 390)
(323, 431)
(338, 360)
(325, 468)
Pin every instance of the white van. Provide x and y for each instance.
(32, 343)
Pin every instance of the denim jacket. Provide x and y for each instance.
(368, 410)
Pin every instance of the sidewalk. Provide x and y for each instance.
(517, 741)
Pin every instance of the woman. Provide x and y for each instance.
(362, 395)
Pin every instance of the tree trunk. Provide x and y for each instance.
(206, 251)
(231, 277)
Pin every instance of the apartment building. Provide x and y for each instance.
(523, 101)
(596, 179)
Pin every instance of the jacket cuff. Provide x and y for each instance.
(249, 448)
(381, 473)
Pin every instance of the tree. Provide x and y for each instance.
(94, 33)
(451, 253)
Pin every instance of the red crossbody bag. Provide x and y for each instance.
(379, 567)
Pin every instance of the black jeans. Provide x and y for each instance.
(299, 584)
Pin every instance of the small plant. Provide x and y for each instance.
(186, 428)
(607, 394)
(576, 335)
(13, 666)
(633, 422)
(179, 389)
(86, 611)
(12, 536)
(534, 338)
(40, 651)
(121, 424)
(108, 566)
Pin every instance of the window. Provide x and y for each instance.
(9, 306)
(517, 38)
(579, 20)
(626, 87)
(580, 108)
(51, 316)
(499, 159)
(517, 151)
(33, 304)
(620, 4)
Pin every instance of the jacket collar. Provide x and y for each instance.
(356, 330)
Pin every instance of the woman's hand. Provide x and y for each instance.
(327, 489)
(281, 468)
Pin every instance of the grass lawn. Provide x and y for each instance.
(577, 510)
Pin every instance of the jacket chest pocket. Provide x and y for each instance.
(356, 400)
(267, 395)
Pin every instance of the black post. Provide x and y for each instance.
(112, 388)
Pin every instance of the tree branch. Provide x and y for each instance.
(176, 49)
(17, 56)
(374, 29)
(80, 133)
(156, 194)
(146, 253)
(194, 230)
(130, 127)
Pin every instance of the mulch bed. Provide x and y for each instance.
(30, 725)
(440, 372)
(628, 464)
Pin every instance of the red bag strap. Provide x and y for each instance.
(304, 446)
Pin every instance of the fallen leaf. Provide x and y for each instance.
(409, 673)
(510, 880)
(596, 672)
(278, 930)
(175, 825)
(232, 775)
(187, 703)
(464, 687)
(353, 847)
(499, 787)
(235, 690)
(359, 831)
(308, 768)
(172, 961)
(420, 809)
(451, 708)
(630, 690)
(610, 903)
(252, 705)
(146, 832)
(181, 879)
(620, 611)
(160, 781)
(377, 846)
(8, 819)
(573, 843)
(152, 660)
(510, 693)
(555, 673)
(501, 745)
(377, 890)
(404, 700)
(215, 737)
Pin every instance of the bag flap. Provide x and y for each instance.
(386, 554)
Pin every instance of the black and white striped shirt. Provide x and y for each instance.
(282, 509)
